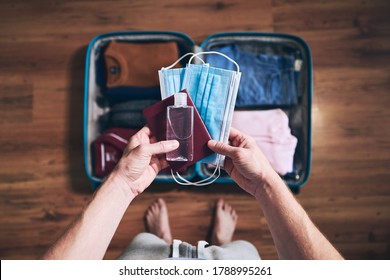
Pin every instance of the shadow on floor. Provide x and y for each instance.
(78, 178)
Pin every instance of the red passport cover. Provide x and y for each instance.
(156, 117)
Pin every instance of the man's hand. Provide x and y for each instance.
(245, 163)
(141, 160)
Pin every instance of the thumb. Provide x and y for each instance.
(222, 148)
(161, 147)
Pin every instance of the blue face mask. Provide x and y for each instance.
(210, 90)
(213, 91)
(171, 81)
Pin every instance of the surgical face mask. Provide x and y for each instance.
(171, 81)
(213, 91)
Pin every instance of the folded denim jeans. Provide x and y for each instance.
(267, 80)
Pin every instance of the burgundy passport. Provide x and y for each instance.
(156, 117)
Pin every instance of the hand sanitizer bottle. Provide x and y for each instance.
(180, 126)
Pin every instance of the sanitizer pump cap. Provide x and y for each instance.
(180, 99)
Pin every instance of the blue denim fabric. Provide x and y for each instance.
(266, 79)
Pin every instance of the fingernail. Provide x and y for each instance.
(173, 143)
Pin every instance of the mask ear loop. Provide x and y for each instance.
(183, 56)
(214, 52)
(200, 183)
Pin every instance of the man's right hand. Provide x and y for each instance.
(244, 162)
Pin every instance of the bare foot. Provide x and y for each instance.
(225, 220)
(157, 222)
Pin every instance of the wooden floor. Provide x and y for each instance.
(42, 179)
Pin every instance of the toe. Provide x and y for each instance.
(148, 211)
(155, 207)
(148, 217)
(150, 206)
(228, 208)
(225, 206)
(148, 223)
(161, 203)
(220, 202)
(234, 215)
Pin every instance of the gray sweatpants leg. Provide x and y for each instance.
(235, 250)
(147, 246)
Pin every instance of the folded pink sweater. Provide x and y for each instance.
(271, 131)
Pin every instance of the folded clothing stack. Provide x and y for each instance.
(267, 79)
(272, 134)
(132, 69)
(130, 83)
(130, 113)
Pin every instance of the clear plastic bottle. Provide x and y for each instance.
(180, 126)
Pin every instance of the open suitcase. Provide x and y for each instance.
(299, 115)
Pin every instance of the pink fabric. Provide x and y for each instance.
(272, 134)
